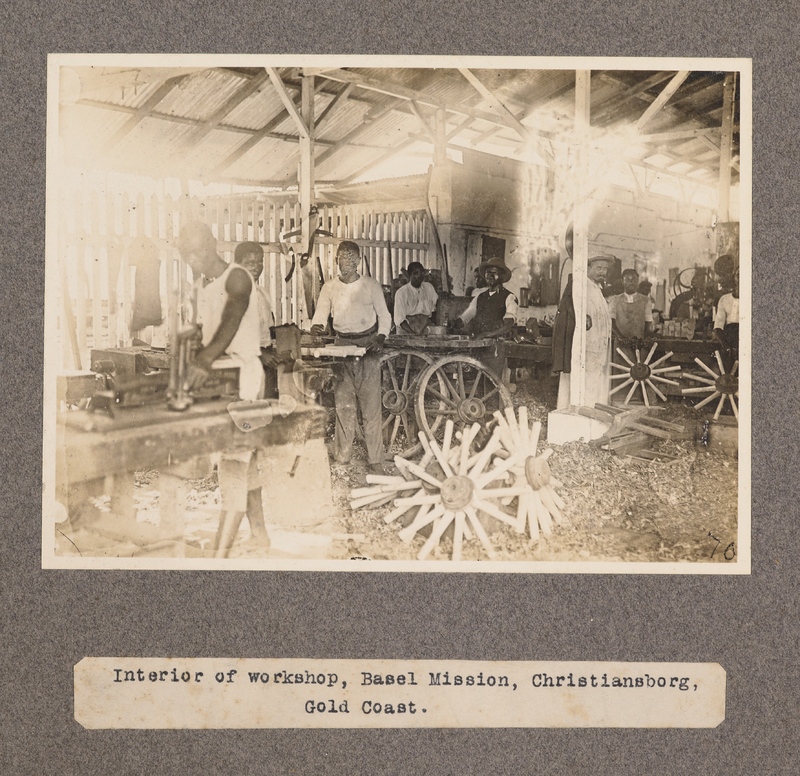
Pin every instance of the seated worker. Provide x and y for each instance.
(414, 302)
(726, 326)
(251, 256)
(227, 309)
(493, 311)
(361, 318)
(631, 312)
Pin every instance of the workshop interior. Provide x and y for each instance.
(370, 313)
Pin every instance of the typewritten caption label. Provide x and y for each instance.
(174, 693)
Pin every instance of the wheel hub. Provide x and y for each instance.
(537, 472)
(727, 384)
(395, 402)
(640, 371)
(457, 492)
(471, 410)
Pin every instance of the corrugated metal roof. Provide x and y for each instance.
(174, 133)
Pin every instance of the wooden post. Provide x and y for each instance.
(306, 185)
(580, 246)
(724, 186)
(440, 147)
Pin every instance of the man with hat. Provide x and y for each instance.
(493, 310)
(598, 337)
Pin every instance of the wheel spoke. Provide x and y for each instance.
(624, 355)
(706, 368)
(450, 386)
(720, 406)
(490, 394)
(631, 392)
(650, 354)
(388, 420)
(658, 393)
(705, 401)
(660, 360)
(409, 432)
(620, 386)
(474, 388)
(407, 371)
(394, 431)
(461, 391)
(433, 392)
(392, 376)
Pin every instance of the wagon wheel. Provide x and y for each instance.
(399, 372)
(643, 374)
(461, 389)
(720, 385)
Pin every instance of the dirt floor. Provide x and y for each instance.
(616, 509)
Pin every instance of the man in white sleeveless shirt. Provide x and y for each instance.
(227, 309)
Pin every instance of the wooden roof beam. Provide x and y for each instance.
(508, 117)
(423, 121)
(404, 93)
(679, 134)
(288, 102)
(143, 111)
(662, 99)
(637, 90)
(380, 160)
(341, 97)
(215, 119)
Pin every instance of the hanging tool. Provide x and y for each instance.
(446, 279)
(313, 215)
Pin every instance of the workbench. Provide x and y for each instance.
(98, 454)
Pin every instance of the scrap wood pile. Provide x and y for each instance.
(634, 430)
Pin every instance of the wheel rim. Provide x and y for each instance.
(457, 388)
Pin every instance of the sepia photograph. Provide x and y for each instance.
(398, 314)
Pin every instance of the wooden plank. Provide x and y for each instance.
(581, 236)
(726, 143)
(140, 213)
(98, 265)
(288, 102)
(662, 99)
(155, 437)
(113, 252)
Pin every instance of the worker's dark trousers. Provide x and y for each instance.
(358, 387)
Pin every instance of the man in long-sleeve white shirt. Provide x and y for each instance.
(415, 302)
(360, 317)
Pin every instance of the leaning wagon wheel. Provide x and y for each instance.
(399, 372)
(643, 374)
(720, 385)
(461, 389)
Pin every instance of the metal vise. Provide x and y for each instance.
(183, 348)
